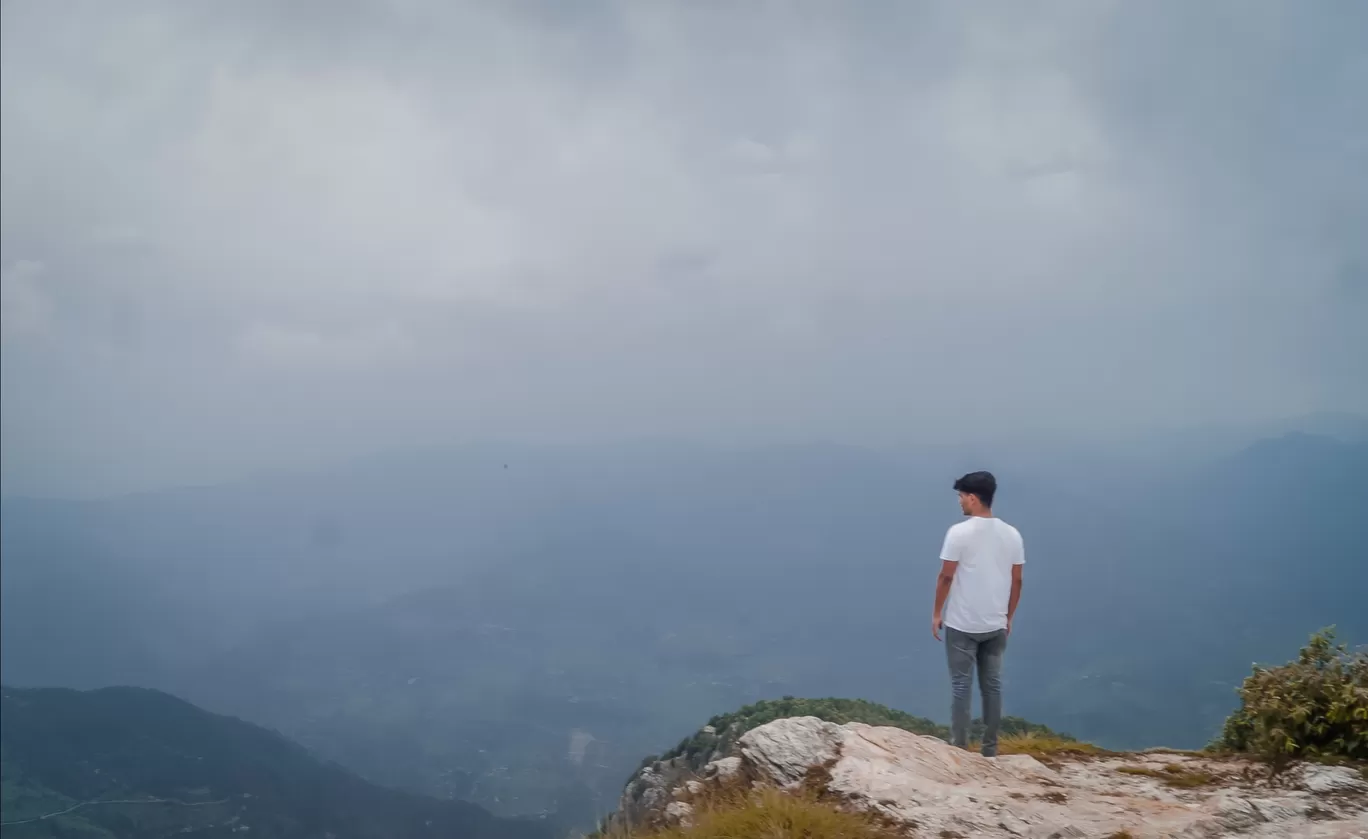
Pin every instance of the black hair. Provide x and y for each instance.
(981, 484)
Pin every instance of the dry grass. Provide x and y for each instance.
(1044, 746)
(772, 814)
(1173, 775)
(1166, 750)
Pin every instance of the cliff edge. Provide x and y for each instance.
(919, 785)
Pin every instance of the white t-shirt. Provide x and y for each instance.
(986, 549)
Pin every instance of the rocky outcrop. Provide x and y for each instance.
(936, 790)
(655, 793)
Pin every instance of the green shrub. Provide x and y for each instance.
(1314, 707)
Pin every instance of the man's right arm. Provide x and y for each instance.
(950, 554)
(943, 583)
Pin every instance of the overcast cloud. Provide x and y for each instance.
(251, 234)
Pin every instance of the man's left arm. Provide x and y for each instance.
(1016, 596)
(1018, 563)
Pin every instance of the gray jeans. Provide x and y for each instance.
(964, 650)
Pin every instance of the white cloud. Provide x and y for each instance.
(300, 349)
(116, 233)
(25, 310)
(549, 215)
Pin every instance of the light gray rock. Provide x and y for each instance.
(649, 792)
(723, 769)
(652, 798)
(926, 783)
(679, 812)
(1316, 778)
(784, 751)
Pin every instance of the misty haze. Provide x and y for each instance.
(419, 417)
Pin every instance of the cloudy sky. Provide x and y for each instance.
(252, 234)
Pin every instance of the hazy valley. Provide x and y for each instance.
(518, 628)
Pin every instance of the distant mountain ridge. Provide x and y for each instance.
(131, 762)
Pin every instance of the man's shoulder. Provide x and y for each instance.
(960, 528)
(1015, 535)
(975, 526)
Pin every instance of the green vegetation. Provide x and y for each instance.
(22, 798)
(724, 730)
(839, 711)
(128, 762)
(1315, 707)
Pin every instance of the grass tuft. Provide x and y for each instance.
(1173, 775)
(772, 814)
(1045, 746)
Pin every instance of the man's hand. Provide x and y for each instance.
(936, 624)
(1009, 626)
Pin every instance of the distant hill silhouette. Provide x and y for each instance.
(175, 767)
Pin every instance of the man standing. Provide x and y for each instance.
(976, 598)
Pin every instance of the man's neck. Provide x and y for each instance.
(986, 514)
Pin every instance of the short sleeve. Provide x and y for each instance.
(1020, 552)
(950, 550)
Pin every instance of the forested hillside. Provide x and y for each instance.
(129, 762)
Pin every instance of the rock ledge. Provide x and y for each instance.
(940, 791)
